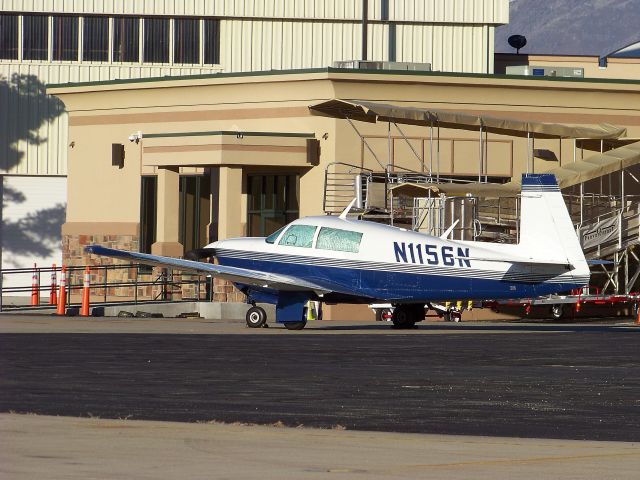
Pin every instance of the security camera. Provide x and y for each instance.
(135, 137)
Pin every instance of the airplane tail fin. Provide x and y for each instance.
(546, 229)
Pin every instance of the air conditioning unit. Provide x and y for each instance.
(534, 71)
(379, 65)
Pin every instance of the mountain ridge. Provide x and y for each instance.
(571, 27)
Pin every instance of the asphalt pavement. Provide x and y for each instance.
(533, 381)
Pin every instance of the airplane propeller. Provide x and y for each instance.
(200, 253)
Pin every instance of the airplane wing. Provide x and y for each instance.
(233, 274)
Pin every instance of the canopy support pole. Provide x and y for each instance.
(390, 158)
(481, 158)
(364, 141)
(430, 148)
(438, 156)
(420, 159)
(528, 151)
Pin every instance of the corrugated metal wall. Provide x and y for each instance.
(33, 126)
(470, 11)
(451, 35)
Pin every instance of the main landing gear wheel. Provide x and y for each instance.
(383, 314)
(406, 316)
(295, 325)
(556, 312)
(256, 317)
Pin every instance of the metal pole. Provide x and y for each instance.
(365, 25)
(364, 141)
(528, 149)
(421, 160)
(481, 157)
(438, 156)
(431, 149)
(622, 200)
(389, 147)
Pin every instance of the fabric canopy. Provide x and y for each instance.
(374, 112)
(568, 175)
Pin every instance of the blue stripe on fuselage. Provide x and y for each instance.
(400, 286)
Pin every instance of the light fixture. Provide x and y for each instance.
(135, 137)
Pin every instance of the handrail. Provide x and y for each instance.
(165, 281)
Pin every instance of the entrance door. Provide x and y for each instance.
(195, 208)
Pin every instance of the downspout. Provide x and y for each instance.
(365, 28)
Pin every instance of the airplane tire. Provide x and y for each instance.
(295, 325)
(404, 317)
(382, 314)
(556, 312)
(256, 317)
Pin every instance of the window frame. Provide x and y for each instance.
(150, 43)
(116, 35)
(338, 230)
(26, 39)
(86, 21)
(61, 25)
(284, 234)
(12, 36)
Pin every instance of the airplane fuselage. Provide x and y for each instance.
(375, 262)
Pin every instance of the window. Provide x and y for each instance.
(272, 203)
(9, 37)
(126, 39)
(274, 236)
(95, 39)
(194, 211)
(65, 38)
(156, 40)
(36, 37)
(148, 209)
(212, 42)
(298, 236)
(186, 40)
(339, 240)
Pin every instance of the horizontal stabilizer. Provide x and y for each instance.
(599, 262)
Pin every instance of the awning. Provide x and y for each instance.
(568, 175)
(374, 112)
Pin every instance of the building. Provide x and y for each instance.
(44, 42)
(217, 156)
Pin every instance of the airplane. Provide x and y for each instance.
(335, 259)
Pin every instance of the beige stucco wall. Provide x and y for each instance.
(616, 68)
(101, 114)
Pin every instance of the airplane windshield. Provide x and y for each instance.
(274, 236)
(298, 236)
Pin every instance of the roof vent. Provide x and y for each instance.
(374, 65)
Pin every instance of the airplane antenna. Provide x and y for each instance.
(344, 213)
(449, 230)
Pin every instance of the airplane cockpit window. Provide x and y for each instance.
(340, 240)
(274, 236)
(298, 236)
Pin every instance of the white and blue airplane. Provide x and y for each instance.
(340, 260)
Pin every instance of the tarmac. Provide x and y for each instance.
(169, 398)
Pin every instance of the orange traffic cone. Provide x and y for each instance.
(62, 297)
(53, 295)
(84, 309)
(35, 288)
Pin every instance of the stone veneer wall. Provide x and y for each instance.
(73, 255)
